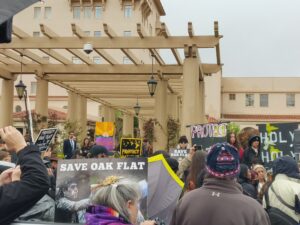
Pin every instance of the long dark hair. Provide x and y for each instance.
(88, 144)
(197, 166)
(236, 143)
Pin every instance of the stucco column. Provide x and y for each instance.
(127, 125)
(41, 103)
(72, 106)
(201, 103)
(7, 103)
(173, 106)
(82, 116)
(141, 125)
(108, 113)
(160, 114)
(190, 98)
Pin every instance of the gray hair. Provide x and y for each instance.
(117, 195)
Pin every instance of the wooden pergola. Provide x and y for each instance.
(112, 84)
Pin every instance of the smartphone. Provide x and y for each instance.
(198, 147)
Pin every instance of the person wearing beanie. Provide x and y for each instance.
(286, 185)
(98, 151)
(252, 154)
(220, 200)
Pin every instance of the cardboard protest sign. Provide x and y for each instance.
(179, 154)
(75, 177)
(45, 137)
(277, 139)
(104, 132)
(131, 147)
(208, 134)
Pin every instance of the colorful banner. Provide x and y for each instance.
(131, 147)
(104, 134)
(76, 177)
(208, 134)
(277, 139)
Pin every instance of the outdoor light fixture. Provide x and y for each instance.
(22, 92)
(137, 107)
(152, 83)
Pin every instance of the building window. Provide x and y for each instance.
(127, 33)
(126, 60)
(87, 12)
(76, 60)
(37, 13)
(232, 97)
(87, 33)
(36, 34)
(128, 11)
(98, 12)
(249, 99)
(47, 14)
(18, 108)
(97, 33)
(264, 100)
(290, 100)
(76, 12)
(65, 107)
(33, 88)
(97, 60)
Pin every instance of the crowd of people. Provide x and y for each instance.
(226, 185)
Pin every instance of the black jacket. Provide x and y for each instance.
(19, 196)
(250, 157)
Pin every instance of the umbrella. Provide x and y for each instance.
(165, 188)
(8, 8)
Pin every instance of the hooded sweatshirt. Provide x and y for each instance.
(219, 202)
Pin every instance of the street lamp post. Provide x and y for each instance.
(22, 92)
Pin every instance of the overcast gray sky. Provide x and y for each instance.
(261, 37)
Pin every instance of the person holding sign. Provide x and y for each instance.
(17, 195)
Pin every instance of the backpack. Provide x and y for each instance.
(277, 217)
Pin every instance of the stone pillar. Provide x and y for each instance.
(173, 106)
(72, 106)
(7, 103)
(82, 116)
(108, 114)
(41, 102)
(141, 125)
(128, 125)
(190, 98)
(160, 114)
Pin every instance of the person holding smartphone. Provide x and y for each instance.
(23, 186)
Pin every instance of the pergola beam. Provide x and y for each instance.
(113, 43)
(14, 56)
(165, 33)
(31, 56)
(56, 56)
(47, 31)
(19, 33)
(106, 56)
(216, 29)
(190, 29)
(5, 75)
(169, 71)
(77, 31)
(81, 56)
